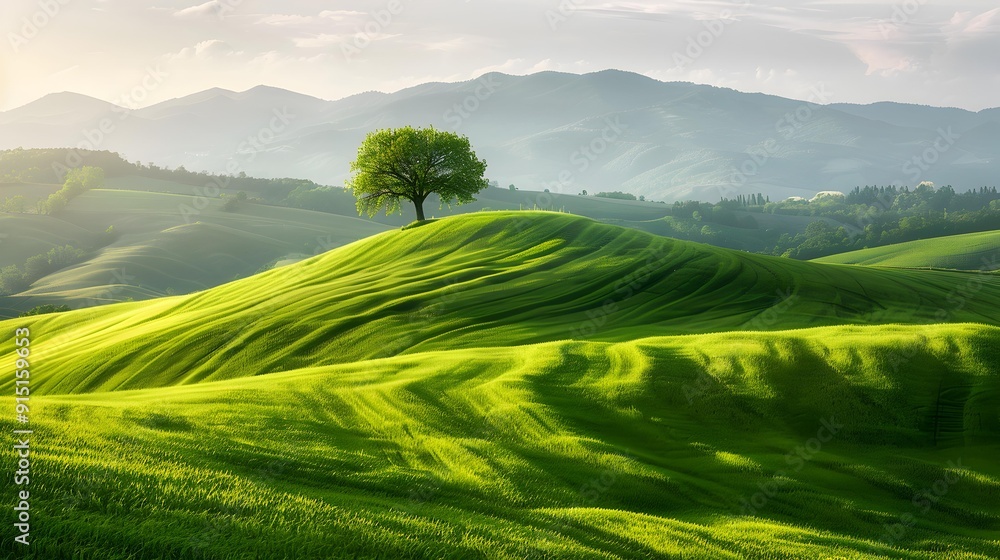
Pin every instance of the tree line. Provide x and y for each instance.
(868, 216)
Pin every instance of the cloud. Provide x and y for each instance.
(967, 25)
(940, 52)
(885, 60)
(324, 18)
(277, 59)
(64, 72)
(454, 44)
(210, 8)
(319, 41)
(510, 66)
(338, 15)
(205, 50)
(543, 66)
(324, 40)
(688, 9)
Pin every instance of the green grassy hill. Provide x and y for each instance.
(154, 254)
(488, 279)
(971, 251)
(32, 192)
(524, 385)
(160, 220)
(26, 235)
(825, 442)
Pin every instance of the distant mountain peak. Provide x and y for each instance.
(60, 103)
(273, 91)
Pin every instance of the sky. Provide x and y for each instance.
(136, 53)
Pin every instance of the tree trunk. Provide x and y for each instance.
(419, 204)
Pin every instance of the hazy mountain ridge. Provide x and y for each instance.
(603, 131)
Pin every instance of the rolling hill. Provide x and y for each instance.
(153, 254)
(481, 280)
(971, 251)
(524, 385)
(607, 130)
(158, 221)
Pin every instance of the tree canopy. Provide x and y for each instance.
(411, 163)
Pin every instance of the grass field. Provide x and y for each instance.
(159, 221)
(524, 385)
(26, 235)
(492, 198)
(706, 446)
(154, 254)
(486, 279)
(32, 192)
(971, 251)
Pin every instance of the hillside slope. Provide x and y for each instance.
(483, 280)
(168, 244)
(971, 251)
(805, 444)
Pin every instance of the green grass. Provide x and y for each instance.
(971, 251)
(488, 279)
(32, 192)
(154, 257)
(491, 198)
(565, 449)
(524, 385)
(759, 239)
(24, 235)
(163, 247)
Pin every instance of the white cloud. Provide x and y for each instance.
(986, 22)
(453, 44)
(319, 41)
(338, 15)
(324, 40)
(884, 60)
(205, 50)
(324, 18)
(210, 8)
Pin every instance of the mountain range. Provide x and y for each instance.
(604, 131)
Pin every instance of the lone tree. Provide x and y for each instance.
(412, 163)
